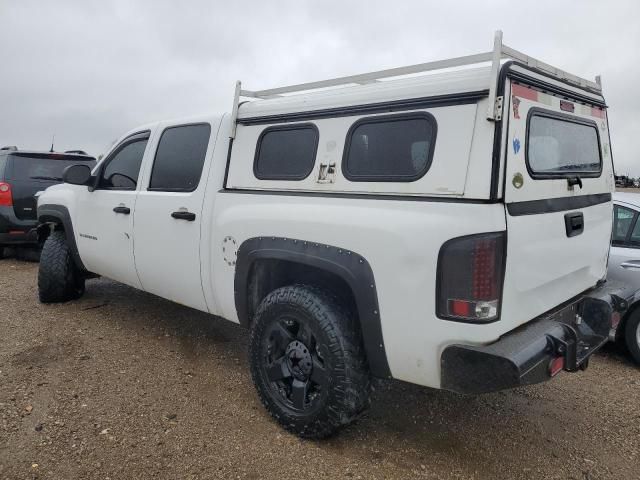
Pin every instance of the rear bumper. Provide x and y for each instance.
(573, 332)
(15, 231)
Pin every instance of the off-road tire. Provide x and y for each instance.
(631, 335)
(1, 253)
(59, 280)
(334, 333)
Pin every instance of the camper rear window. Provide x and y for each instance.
(393, 148)
(560, 146)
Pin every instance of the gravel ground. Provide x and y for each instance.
(124, 385)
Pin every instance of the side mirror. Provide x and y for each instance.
(77, 175)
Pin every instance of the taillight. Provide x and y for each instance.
(470, 277)
(6, 200)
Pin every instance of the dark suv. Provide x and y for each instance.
(22, 175)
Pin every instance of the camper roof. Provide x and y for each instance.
(462, 75)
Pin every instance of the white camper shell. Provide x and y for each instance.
(446, 224)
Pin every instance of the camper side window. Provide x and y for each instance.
(286, 152)
(390, 148)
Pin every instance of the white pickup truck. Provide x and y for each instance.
(447, 228)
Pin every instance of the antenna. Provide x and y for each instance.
(52, 140)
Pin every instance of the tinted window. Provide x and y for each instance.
(121, 171)
(634, 239)
(43, 168)
(390, 149)
(561, 146)
(3, 162)
(622, 223)
(179, 158)
(286, 153)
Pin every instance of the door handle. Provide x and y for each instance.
(574, 223)
(630, 264)
(183, 215)
(122, 209)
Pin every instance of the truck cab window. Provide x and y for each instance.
(122, 169)
(179, 158)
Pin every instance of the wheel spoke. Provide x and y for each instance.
(282, 333)
(299, 393)
(278, 370)
(319, 373)
(304, 335)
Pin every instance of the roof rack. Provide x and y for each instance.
(499, 52)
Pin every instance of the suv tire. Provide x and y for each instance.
(307, 361)
(59, 280)
(632, 335)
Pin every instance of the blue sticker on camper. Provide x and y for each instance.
(516, 145)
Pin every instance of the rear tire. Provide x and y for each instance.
(1, 253)
(307, 361)
(632, 335)
(59, 280)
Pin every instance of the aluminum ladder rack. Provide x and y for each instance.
(500, 52)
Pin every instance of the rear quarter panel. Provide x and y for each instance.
(400, 240)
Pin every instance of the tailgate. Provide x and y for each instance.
(557, 190)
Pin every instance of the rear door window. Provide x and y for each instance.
(395, 148)
(560, 145)
(179, 158)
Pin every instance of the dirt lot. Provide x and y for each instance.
(124, 385)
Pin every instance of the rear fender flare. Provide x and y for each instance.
(348, 265)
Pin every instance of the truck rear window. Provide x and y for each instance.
(559, 146)
(43, 167)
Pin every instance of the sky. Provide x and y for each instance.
(88, 71)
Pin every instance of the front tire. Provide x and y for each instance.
(59, 280)
(307, 361)
(632, 335)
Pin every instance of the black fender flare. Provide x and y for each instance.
(348, 265)
(50, 213)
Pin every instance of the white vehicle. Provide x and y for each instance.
(624, 265)
(447, 228)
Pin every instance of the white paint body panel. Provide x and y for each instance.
(399, 241)
(167, 250)
(545, 267)
(446, 176)
(105, 238)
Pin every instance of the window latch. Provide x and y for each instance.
(573, 181)
(327, 173)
